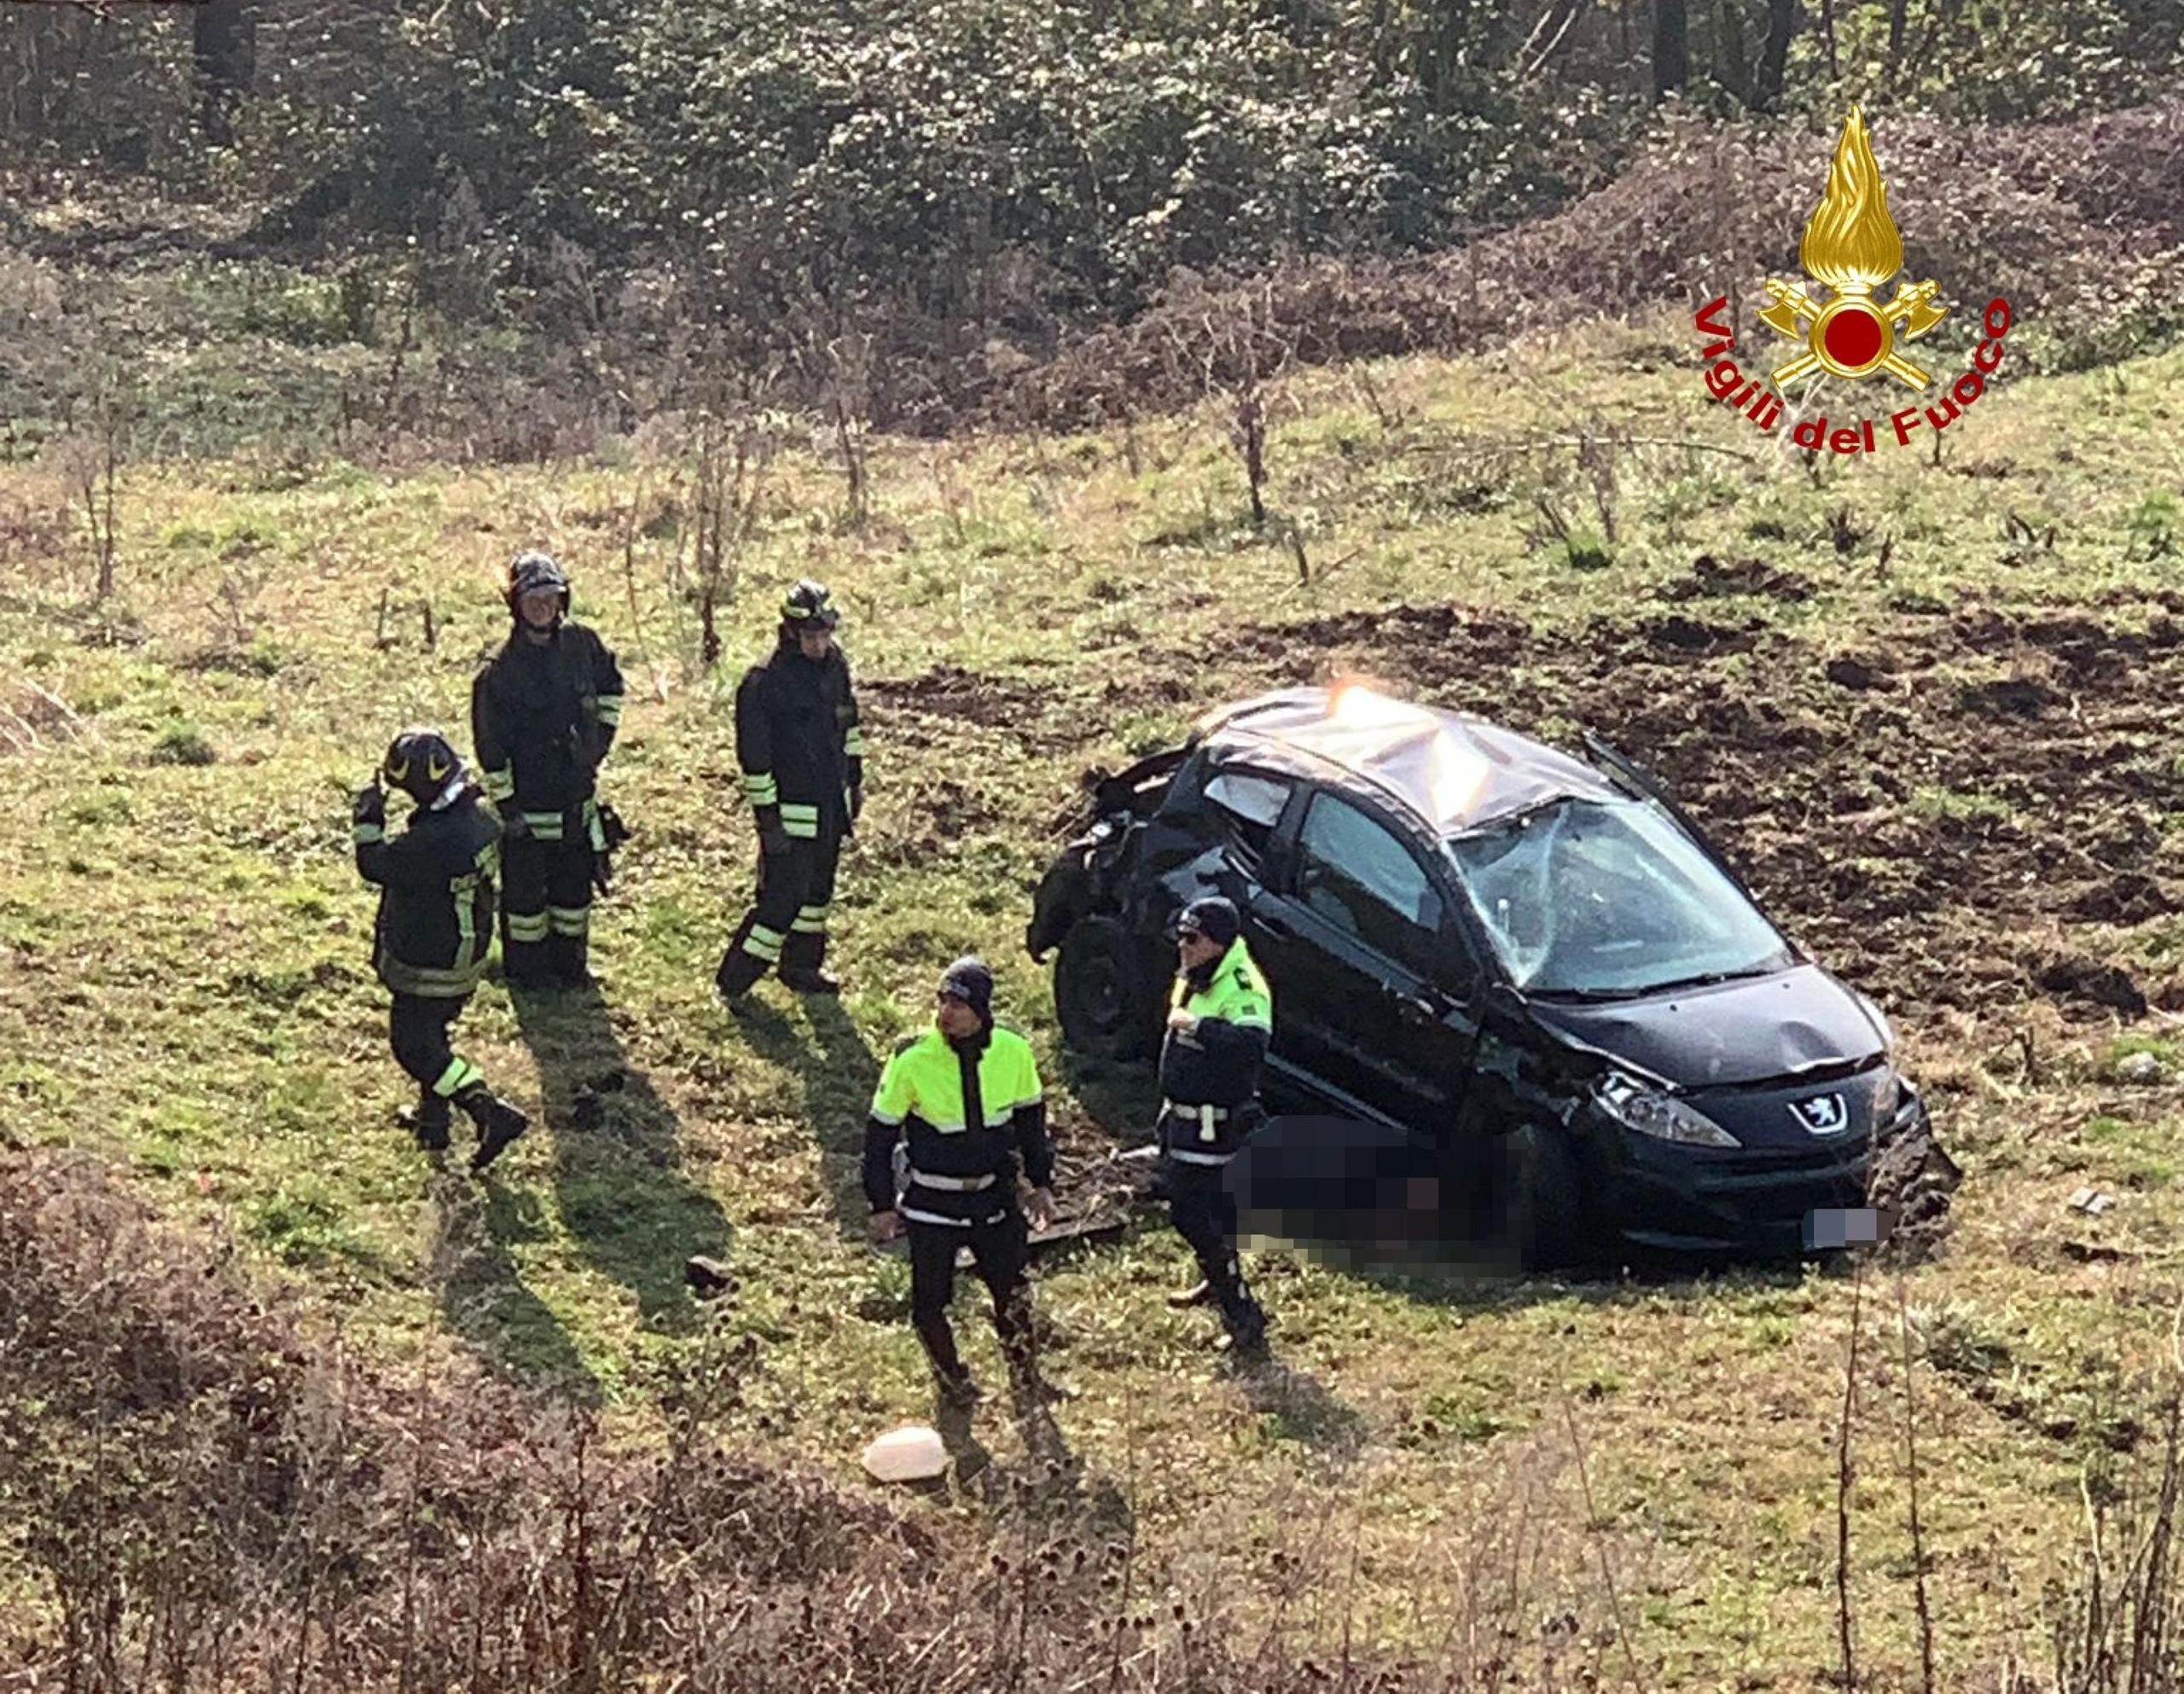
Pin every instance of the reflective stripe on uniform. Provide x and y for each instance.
(500, 785)
(761, 789)
(459, 1074)
(527, 926)
(595, 830)
(369, 832)
(1185, 1156)
(801, 821)
(952, 1185)
(1196, 1114)
(569, 920)
(811, 920)
(763, 943)
(465, 890)
(853, 742)
(610, 709)
(429, 982)
(546, 826)
(916, 1216)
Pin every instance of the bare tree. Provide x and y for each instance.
(1775, 55)
(1671, 48)
(89, 459)
(224, 41)
(1238, 347)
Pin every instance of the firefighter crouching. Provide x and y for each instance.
(435, 928)
(965, 1097)
(802, 754)
(1220, 1020)
(544, 713)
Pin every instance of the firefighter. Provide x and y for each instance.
(544, 714)
(802, 754)
(435, 928)
(1220, 1020)
(965, 1099)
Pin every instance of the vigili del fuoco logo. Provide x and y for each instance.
(1851, 250)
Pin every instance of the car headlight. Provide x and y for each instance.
(1663, 1117)
(1890, 1095)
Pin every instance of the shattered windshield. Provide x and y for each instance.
(1609, 898)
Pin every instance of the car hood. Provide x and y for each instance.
(1755, 1030)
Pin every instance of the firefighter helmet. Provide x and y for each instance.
(533, 571)
(808, 607)
(421, 762)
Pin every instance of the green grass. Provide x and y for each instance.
(184, 986)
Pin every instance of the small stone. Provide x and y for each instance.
(708, 1276)
(2142, 1070)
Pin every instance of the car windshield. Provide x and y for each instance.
(1609, 898)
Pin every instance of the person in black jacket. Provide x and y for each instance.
(434, 926)
(1220, 1019)
(544, 714)
(963, 1098)
(802, 753)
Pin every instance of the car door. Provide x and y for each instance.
(1373, 981)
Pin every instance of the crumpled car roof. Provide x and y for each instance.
(1454, 773)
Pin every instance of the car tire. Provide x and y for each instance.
(1549, 1211)
(1102, 996)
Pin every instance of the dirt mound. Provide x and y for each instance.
(1913, 1183)
(1868, 799)
(1715, 578)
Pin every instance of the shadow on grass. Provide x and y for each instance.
(1121, 1100)
(839, 1073)
(1482, 1284)
(1302, 1408)
(472, 1267)
(618, 1159)
(1047, 1483)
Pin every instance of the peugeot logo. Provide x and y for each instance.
(1821, 1115)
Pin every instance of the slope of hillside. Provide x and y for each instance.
(1923, 703)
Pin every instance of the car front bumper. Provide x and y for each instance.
(1752, 1202)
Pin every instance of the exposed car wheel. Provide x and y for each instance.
(1100, 993)
(1549, 1209)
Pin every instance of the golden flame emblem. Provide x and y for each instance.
(1852, 246)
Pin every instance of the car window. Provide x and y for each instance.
(1358, 875)
(1249, 806)
(1588, 897)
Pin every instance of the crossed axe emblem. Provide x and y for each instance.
(1910, 315)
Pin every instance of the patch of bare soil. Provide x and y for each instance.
(1713, 578)
(941, 703)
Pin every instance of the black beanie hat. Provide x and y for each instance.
(969, 981)
(1214, 917)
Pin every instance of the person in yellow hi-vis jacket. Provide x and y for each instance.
(1220, 1020)
(965, 1097)
(544, 714)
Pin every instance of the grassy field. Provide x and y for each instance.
(1928, 704)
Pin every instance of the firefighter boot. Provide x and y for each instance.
(568, 957)
(498, 1122)
(802, 955)
(428, 1121)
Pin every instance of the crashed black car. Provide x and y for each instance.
(1481, 941)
